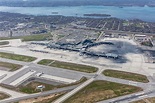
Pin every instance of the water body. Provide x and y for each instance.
(144, 13)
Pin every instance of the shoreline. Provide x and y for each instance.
(76, 16)
(120, 12)
(97, 15)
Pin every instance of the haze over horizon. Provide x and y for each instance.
(38, 3)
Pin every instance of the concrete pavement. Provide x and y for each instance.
(63, 98)
(28, 96)
(12, 93)
(134, 64)
(130, 98)
(14, 61)
(59, 79)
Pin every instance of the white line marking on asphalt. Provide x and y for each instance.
(22, 78)
(66, 80)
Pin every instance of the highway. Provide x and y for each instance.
(113, 31)
(126, 32)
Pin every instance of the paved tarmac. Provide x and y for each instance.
(66, 96)
(134, 64)
(23, 97)
(58, 72)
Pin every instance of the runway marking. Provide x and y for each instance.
(14, 83)
(58, 78)
(133, 83)
(69, 94)
(142, 96)
(139, 94)
(146, 100)
(51, 63)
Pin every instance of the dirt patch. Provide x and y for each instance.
(45, 99)
(146, 100)
(3, 96)
(101, 90)
(95, 96)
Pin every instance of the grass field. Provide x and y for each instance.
(50, 100)
(126, 75)
(4, 43)
(31, 87)
(8, 38)
(17, 57)
(101, 90)
(10, 66)
(146, 100)
(3, 96)
(36, 37)
(67, 65)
